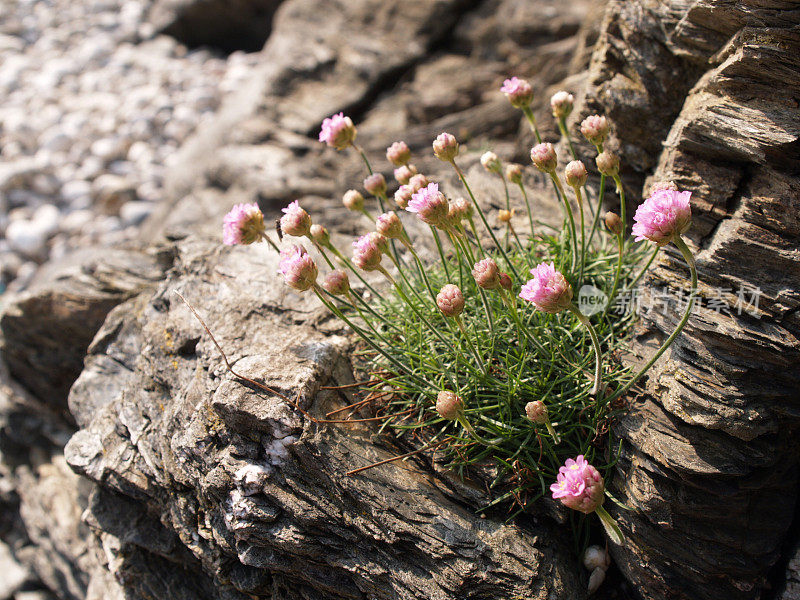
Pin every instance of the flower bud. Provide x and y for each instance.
(575, 174)
(320, 235)
(608, 164)
(336, 283)
(536, 411)
(596, 557)
(504, 216)
(369, 251)
(353, 200)
(514, 173)
(491, 163)
(298, 268)
(338, 131)
(613, 222)
(595, 129)
(562, 103)
(398, 153)
(461, 208)
(486, 274)
(417, 182)
(449, 405)
(375, 184)
(244, 224)
(544, 157)
(403, 196)
(404, 173)
(295, 221)
(505, 282)
(445, 147)
(389, 225)
(450, 300)
(518, 91)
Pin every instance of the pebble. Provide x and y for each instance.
(94, 103)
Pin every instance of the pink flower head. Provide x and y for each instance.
(518, 91)
(389, 225)
(460, 209)
(295, 221)
(417, 182)
(595, 129)
(298, 268)
(549, 291)
(398, 153)
(244, 224)
(336, 283)
(445, 147)
(514, 173)
(449, 405)
(536, 411)
(338, 131)
(486, 274)
(575, 174)
(607, 163)
(404, 173)
(450, 300)
(579, 486)
(353, 200)
(665, 215)
(430, 205)
(544, 157)
(369, 250)
(562, 103)
(403, 196)
(320, 235)
(375, 184)
(491, 162)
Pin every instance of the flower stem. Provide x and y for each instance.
(649, 262)
(610, 525)
(560, 190)
(621, 250)
(528, 205)
(598, 372)
(579, 197)
(687, 256)
(532, 120)
(363, 156)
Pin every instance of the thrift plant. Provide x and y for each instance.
(485, 353)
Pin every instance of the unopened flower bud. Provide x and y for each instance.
(505, 282)
(404, 173)
(398, 153)
(336, 283)
(353, 200)
(295, 221)
(504, 216)
(608, 164)
(544, 157)
(369, 251)
(298, 268)
(417, 182)
(491, 163)
(536, 411)
(375, 184)
(403, 196)
(320, 235)
(562, 103)
(450, 300)
(445, 147)
(518, 91)
(449, 405)
(514, 173)
(389, 225)
(461, 208)
(575, 174)
(595, 129)
(486, 274)
(596, 557)
(613, 222)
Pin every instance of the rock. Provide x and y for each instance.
(14, 574)
(134, 212)
(26, 237)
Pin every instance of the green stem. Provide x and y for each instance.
(440, 248)
(610, 525)
(560, 189)
(355, 271)
(687, 256)
(579, 197)
(528, 205)
(363, 156)
(551, 430)
(562, 127)
(268, 239)
(598, 372)
(532, 120)
(612, 295)
(600, 196)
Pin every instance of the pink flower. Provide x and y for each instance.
(403, 196)
(295, 221)
(336, 283)
(389, 225)
(491, 162)
(486, 274)
(417, 182)
(398, 153)
(561, 103)
(338, 131)
(449, 405)
(595, 129)
(375, 184)
(353, 200)
(298, 268)
(369, 250)
(404, 173)
(514, 173)
(430, 205)
(544, 157)
(549, 291)
(575, 174)
(579, 486)
(607, 163)
(665, 215)
(518, 91)
(244, 224)
(445, 147)
(450, 300)
(536, 411)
